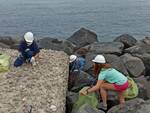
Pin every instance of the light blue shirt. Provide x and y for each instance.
(111, 75)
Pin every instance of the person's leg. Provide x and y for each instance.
(19, 61)
(29, 54)
(103, 91)
(121, 97)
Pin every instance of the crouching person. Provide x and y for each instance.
(76, 65)
(28, 50)
(108, 79)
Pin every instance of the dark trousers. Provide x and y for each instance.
(22, 58)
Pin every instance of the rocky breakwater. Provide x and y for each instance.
(125, 53)
(39, 89)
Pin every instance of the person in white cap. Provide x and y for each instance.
(108, 79)
(76, 63)
(28, 49)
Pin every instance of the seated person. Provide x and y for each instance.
(28, 49)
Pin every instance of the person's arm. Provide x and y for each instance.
(96, 87)
(36, 50)
(21, 47)
(101, 80)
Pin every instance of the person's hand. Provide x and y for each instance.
(32, 60)
(84, 91)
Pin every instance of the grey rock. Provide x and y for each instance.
(133, 106)
(110, 58)
(127, 40)
(138, 49)
(83, 37)
(134, 65)
(116, 63)
(82, 79)
(2, 45)
(7, 40)
(145, 108)
(146, 40)
(56, 44)
(144, 87)
(14, 46)
(88, 60)
(106, 48)
(129, 106)
(88, 109)
(146, 60)
(70, 100)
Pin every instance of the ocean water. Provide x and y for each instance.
(61, 18)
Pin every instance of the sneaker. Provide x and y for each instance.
(101, 106)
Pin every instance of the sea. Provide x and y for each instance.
(61, 18)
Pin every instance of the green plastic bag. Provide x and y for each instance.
(132, 91)
(90, 99)
(4, 62)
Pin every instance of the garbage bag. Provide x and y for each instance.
(90, 99)
(132, 91)
(4, 62)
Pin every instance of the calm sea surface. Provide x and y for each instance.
(60, 18)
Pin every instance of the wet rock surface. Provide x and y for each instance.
(41, 89)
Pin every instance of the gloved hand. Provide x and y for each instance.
(83, 91)
(32, 61)
(20, 54)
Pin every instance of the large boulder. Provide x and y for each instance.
(146, 40)
(56, 44)
(89, 64)
(144, 87)
(87, 109)
(116, 63)
(134, 65)
(82, 79)
(42, 86)
(146, 60)
(138, 49)
(106, 48)
(7, 40)
(70, 101)
(83, 37)
(2, 45)
(133, 106)
(127, 40)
